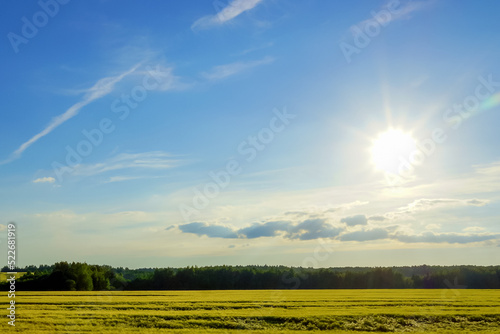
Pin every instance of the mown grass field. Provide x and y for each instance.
(258, 311)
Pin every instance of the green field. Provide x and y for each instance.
(259, 311)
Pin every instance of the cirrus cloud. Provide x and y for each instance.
(100, 89)
(231, 11)
(425, 204)
(224, 71)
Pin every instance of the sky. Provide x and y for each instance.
(238, 132)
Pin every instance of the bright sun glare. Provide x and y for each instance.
(389, 148)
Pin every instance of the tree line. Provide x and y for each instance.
(77, 276)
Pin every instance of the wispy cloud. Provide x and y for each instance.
(45, 180)
(399, 11)
(425, 204)
(484, 178)
(489, 169)
(432, 227)
(101, 88)
(426, 237)
(473, 229)
(346, 206)
(377, 218)
(166, 79)
(122, 178)
(257, 48)
(232, 10)
(321, 212)
(451, 238)
(146, 160)
(224, 71)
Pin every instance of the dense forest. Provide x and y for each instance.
(84, 277)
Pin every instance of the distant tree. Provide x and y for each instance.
(70, 285)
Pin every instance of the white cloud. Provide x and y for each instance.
(45, 180)
(166, 79)
(451, 238)
(232, 10)
(101, 88)
(224, 71)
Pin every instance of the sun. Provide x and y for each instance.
(390, 148)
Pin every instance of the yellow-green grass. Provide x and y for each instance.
(259, 311)
(4, 276)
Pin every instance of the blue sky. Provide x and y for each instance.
(242, 132)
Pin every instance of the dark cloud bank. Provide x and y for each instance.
(311, 229)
